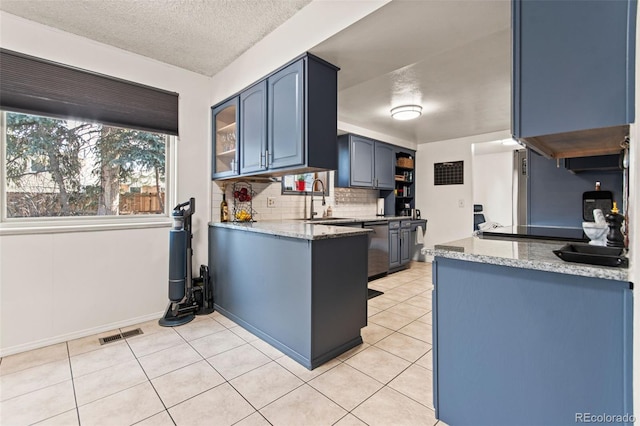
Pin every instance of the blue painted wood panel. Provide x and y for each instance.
(515, 346)
(286, 117)
(362, 162)
(573, 65)
(406, 243)
(384, 166)
(555, 195)
(253, 128)
(306, 298)
(394, 247)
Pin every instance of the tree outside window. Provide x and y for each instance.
(62, 167)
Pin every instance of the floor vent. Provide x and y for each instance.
(120, 336)
(109, 339)
(132, 333)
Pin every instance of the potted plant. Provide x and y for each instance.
(300, 183)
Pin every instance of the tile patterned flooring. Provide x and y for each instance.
(213, 372)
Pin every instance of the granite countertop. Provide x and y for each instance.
(529, 254)
(295, 229)
(328, 221)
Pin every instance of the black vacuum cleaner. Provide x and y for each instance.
(188, 296)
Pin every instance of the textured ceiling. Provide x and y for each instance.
(203, 36)
(450, 57)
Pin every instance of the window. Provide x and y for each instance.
(55, 167)
(301, 184)
(77, 144)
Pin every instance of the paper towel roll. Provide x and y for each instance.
(380, 207)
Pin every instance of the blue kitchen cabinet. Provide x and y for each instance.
(365, 163)
(406, 243)
(516, 346)
(394, 245)
(224, 119)
(384, 160)
(288, 120)
(401, 244)
(307, 298)
(285, 117)
(573, 65)
(253, 128)
(362, 162)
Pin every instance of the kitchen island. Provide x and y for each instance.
(301, 287)
(522, 337)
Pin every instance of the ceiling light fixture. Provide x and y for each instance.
(406, 112)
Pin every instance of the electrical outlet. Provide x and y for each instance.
(461, 203)
(271, 201)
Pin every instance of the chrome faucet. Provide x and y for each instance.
(313, 185)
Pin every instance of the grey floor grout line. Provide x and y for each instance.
(152, 386)
(73, 384)
(421, 293)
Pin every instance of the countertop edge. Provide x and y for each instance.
(326, 231)
(570, 268)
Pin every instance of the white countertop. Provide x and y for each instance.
(529, 254)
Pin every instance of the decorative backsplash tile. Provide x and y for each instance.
(345, 202)
(354, 196)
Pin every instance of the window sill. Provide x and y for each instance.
(69, 226)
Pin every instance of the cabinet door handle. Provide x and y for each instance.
(260, 160)
(266, 156)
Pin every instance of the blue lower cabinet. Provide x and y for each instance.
(307, 298)
(522, 347)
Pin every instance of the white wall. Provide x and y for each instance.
(440, 204)
(95, 281)
(54, 287)
(492, 185)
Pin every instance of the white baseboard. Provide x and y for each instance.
(77, 334)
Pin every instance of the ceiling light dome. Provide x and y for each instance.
(406, 112)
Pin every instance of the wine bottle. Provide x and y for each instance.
(224, 209)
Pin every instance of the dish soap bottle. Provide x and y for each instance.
(614, 221)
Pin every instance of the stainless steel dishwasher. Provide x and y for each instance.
(378, 247)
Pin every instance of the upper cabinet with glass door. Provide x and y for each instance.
(287, 122)
(225, 139)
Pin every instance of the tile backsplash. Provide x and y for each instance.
(345, 202)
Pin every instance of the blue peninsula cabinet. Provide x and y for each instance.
(300, 287)
(521, 346)
(573, 65)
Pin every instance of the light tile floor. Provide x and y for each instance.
(213, 372)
